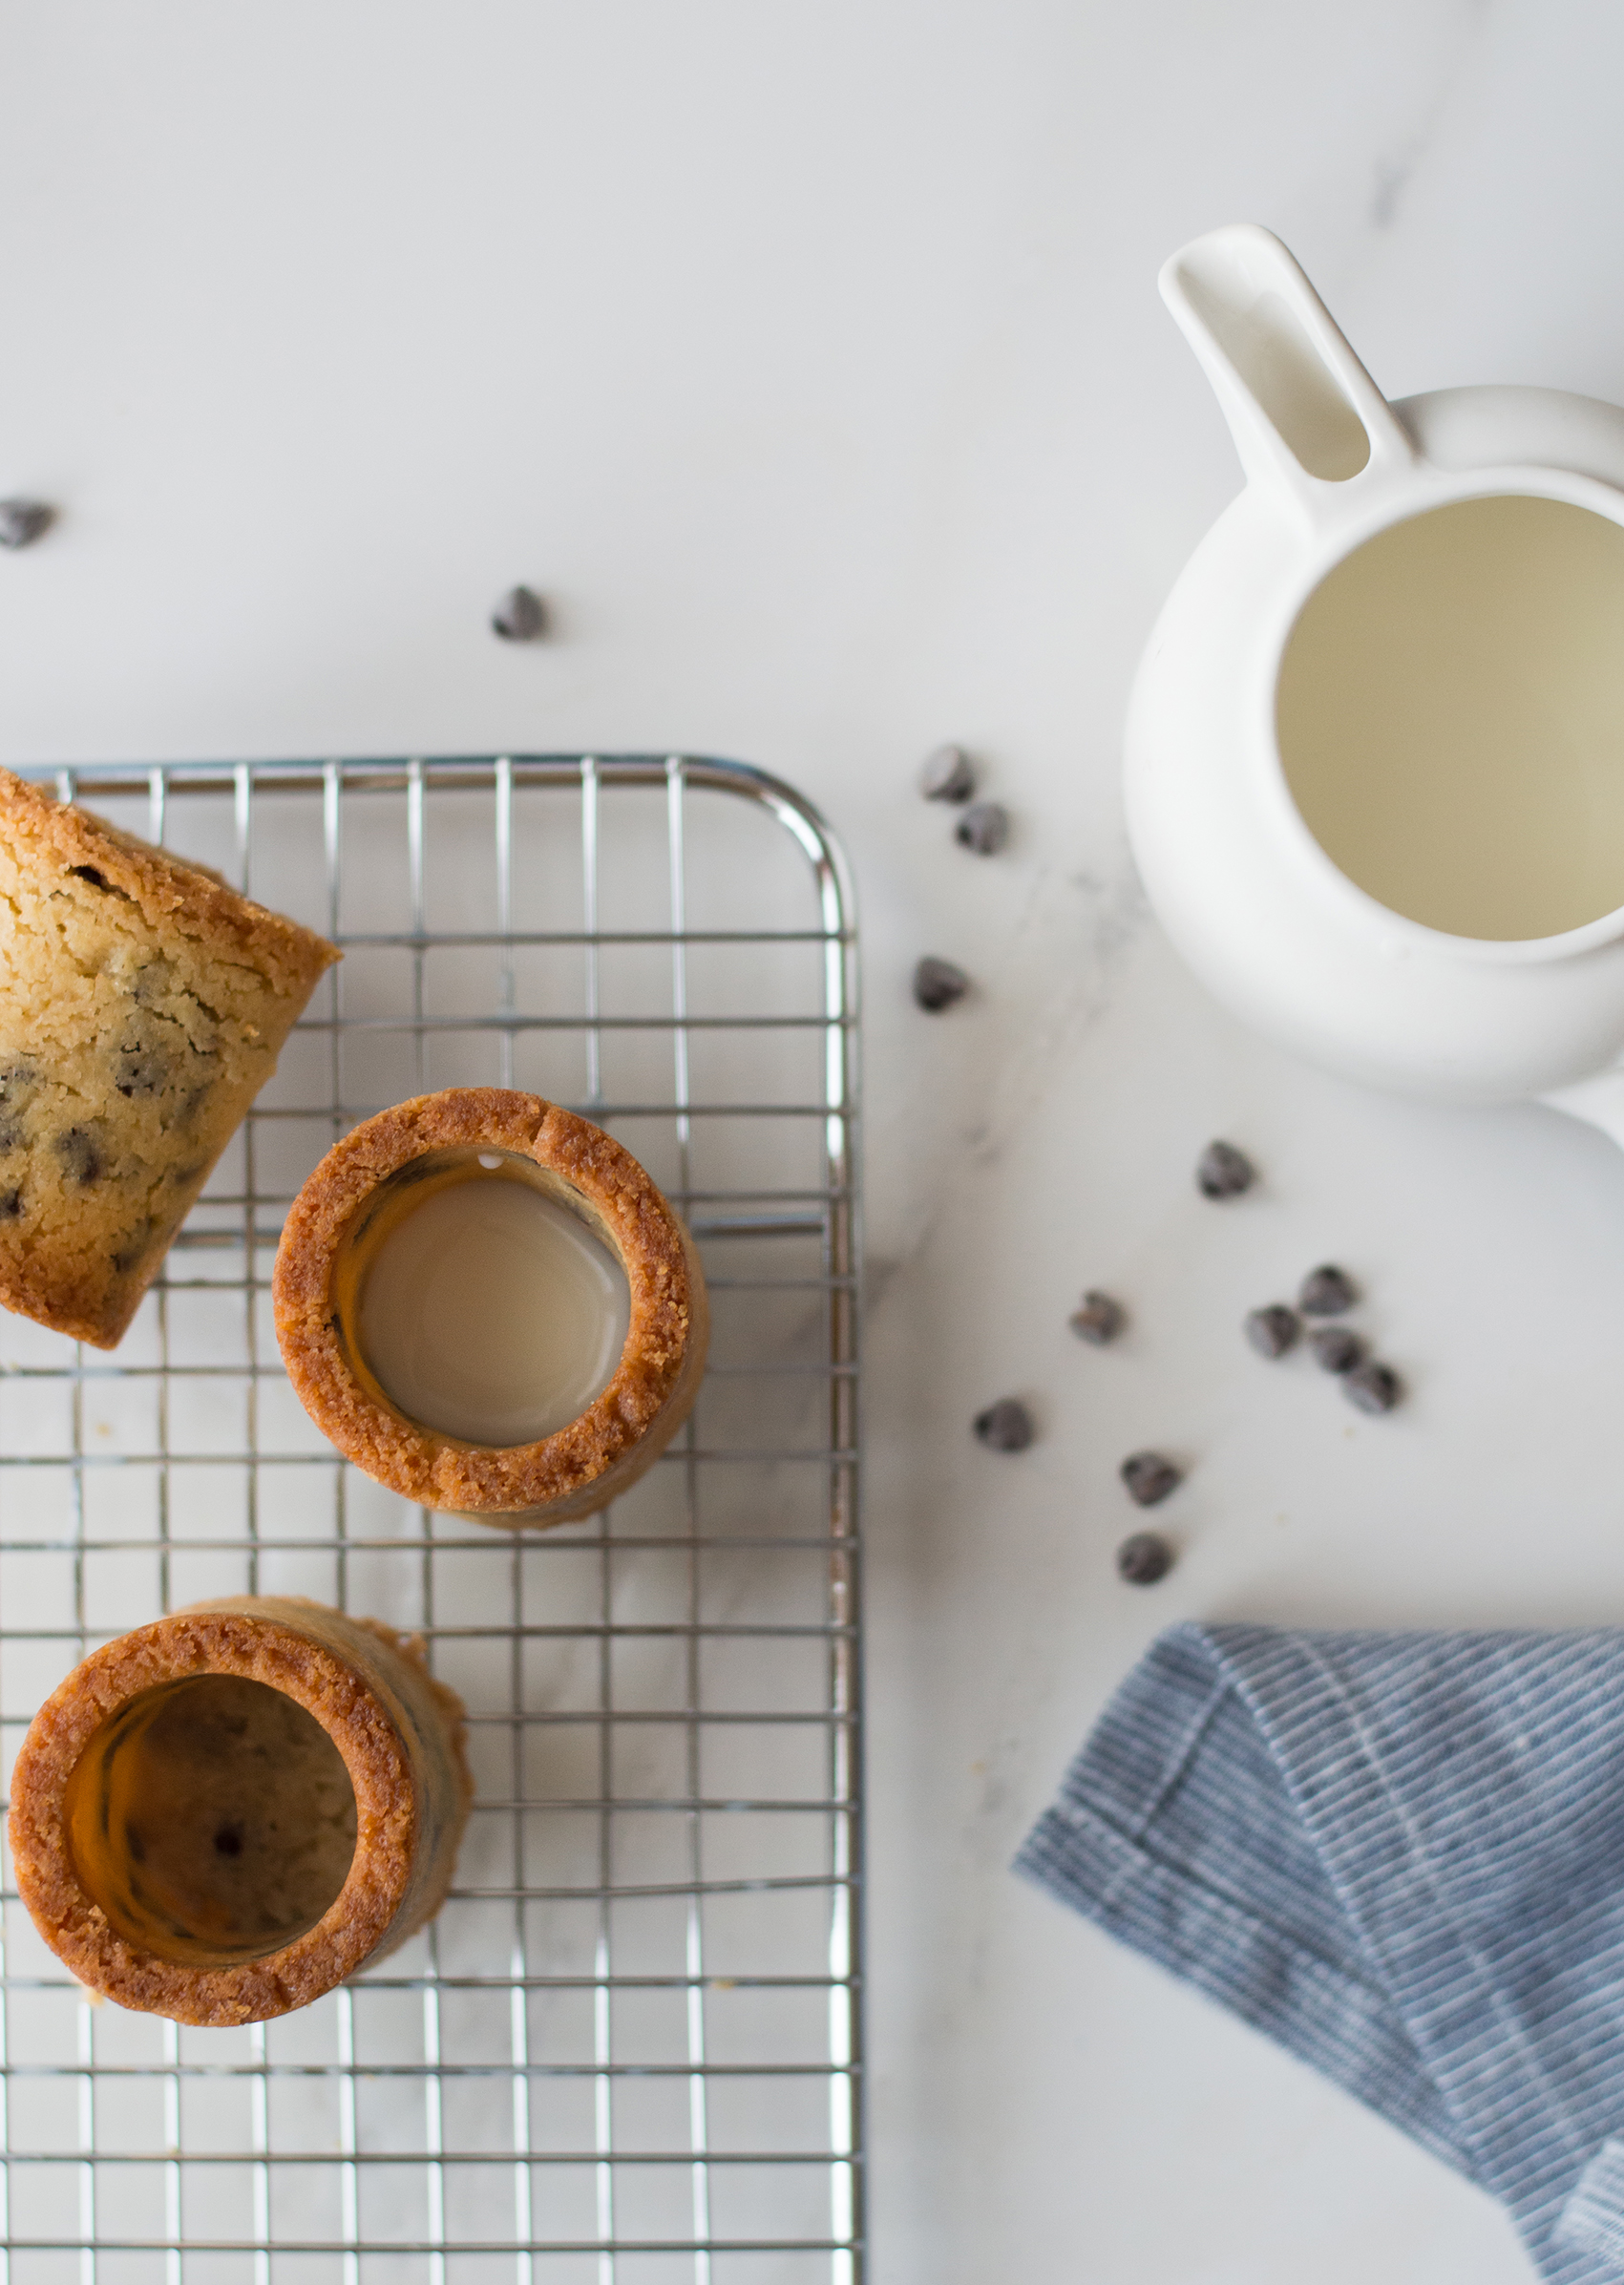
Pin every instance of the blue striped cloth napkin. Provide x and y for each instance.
(1400, 1855)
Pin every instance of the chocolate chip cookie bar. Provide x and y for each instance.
(142, 1006)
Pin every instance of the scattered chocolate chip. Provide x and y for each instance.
(1373, 1386)
(938, 984)
(228, 1841)
(985, 828)
(1099, 1320)
(947, 776)
(1326, 1291)
(1222, 1171)
(1005, 1426)
(1334, 1348)
(1272, 1330)
(520, 616)
(22, 521)
(1149, 1478)
(81, 1160)
(11, 1205)
(1142, 1558)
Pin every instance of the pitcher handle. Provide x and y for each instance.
(1308, 421)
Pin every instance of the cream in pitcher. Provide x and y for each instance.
(1376, 747)
(1451, 716)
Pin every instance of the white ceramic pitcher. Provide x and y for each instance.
(1376, 747)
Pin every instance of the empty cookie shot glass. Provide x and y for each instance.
(223, 1816)
(485, 1303)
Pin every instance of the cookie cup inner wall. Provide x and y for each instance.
(212, 1820)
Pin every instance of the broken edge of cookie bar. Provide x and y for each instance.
(143, 1003)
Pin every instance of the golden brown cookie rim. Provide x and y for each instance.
(653, 1386)
(260, 1648)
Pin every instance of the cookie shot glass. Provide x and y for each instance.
(221, 1817)
(486, 1304)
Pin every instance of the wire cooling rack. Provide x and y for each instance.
(630, 2048)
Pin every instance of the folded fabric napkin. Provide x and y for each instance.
(1401, 1856)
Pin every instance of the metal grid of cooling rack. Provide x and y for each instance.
(629, 2049)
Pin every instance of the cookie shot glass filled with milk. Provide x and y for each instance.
(486, 1304)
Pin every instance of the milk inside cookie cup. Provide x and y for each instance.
(480, 1295)
(501, 1412)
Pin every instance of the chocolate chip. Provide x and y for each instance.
(520, 616)
(191, 1102)
(89, 873)
(135, 1246)
(1374, 1387)
(1149, 1478)
(1005, 1426)
(22, 521)
(228, 1841)
(142, 1071)
(1099, 1320)
(1222, 1171)
(81, 1159)
(938, 984)
(947, 776)
(11, 1205)
(151, 981)
(1335, 1348)
(1272, 1330)
(1142, 1558)
(985, 828)
(1326, 1291)
(18, 1082)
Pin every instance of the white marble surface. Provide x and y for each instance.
(810, 361)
